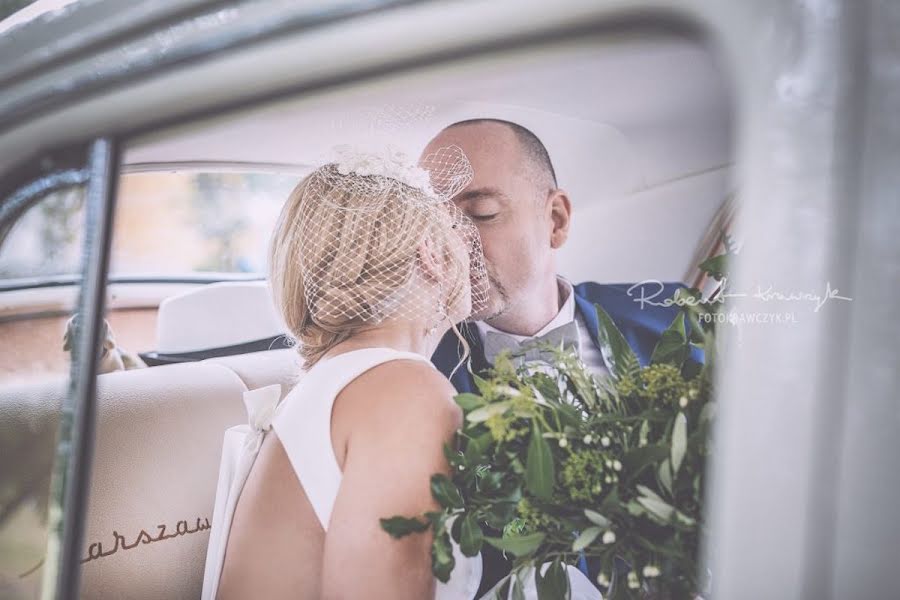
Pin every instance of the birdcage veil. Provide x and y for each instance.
(375, 236)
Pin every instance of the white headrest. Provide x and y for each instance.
(217, 315)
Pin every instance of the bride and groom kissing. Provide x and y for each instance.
(398, 282)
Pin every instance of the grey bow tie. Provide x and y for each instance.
(530, 349)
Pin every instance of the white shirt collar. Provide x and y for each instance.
(565, 315)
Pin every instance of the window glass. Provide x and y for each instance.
(35, 362)
(169, 224)
(175, 224)
(47, 239)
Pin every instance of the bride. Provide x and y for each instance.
(370, 265)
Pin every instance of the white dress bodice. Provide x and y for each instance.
(303, 424)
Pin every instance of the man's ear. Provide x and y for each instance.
(428, 256)
(560, 216)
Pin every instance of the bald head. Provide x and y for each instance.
(532, 150)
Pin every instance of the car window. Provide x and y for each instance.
(169, 224)
(180, 223)
(47, 239)
(35, 363)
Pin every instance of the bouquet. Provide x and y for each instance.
(552, 465)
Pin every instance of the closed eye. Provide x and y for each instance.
(484, 218)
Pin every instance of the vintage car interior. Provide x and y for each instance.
(638, 127)
(203, 116)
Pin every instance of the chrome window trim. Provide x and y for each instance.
(30, 283)
(203, 166)
(138, 53)
(77, 29)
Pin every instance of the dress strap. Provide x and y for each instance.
(303, 421)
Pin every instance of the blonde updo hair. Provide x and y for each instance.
(363, 252)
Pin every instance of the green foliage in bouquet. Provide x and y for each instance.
(553, 463)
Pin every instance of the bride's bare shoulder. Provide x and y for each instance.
(403, 389)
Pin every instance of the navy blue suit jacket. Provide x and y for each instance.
(640, 325)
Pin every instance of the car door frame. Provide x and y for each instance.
(806, 134)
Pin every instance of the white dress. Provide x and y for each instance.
(303, 425)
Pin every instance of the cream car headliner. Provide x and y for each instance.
(638, 130)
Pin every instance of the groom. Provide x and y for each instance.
(523, 217)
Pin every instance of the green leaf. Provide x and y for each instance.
(611, 503)
(399, 527)
(679, 441)
(475, 447)
(469, 402)
(472, 537)
(716, 266)
(569, 416)
(516, 466)
(554, 583)
(691, 368)
(672, 347)
(635, 509)
(540, 475)
(442, 561)
(518, 589)
(512, 493)
(437, 518)
(645, 491)
(482, 385)
(615, 350)
(664, 473)
(636, 460)
(698, 334)
(502, 592)
(546, 386)
(500, 514)
(619, 589)
(655, 506)
(643, 433)
(596, 518)
(456, 529)
(489, 482)
(585, 538)
(484, 413)
(684, 519)
(452, 455)
(519, 545)
(445, 492)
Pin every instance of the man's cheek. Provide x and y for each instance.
(487, 245)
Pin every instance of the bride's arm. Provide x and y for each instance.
(398, 416)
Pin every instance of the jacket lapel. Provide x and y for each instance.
(589, 314)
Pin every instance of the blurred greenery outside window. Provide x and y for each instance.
(167, 225)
